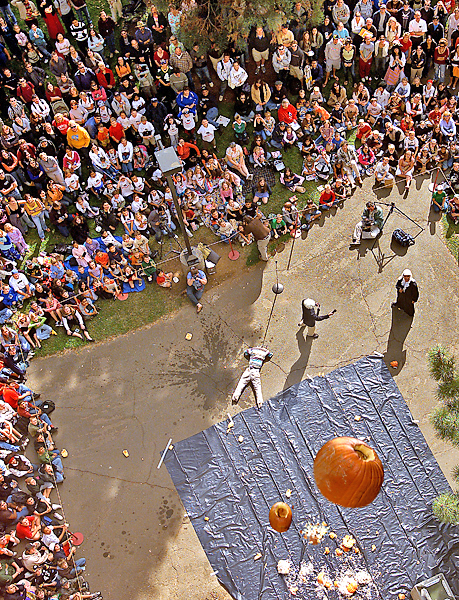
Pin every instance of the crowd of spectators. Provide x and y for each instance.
(38, 553)
(85, 105)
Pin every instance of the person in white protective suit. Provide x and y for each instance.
(257, 357)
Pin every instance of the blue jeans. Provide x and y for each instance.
(10, 447)
(39, 222)
(127, 167)
(270, 105)
(110, 172)
(56, 460)
(249, 117)
(84, 13)
(80, 563)
(190, 80)
(110, 42)
(445, 206)
(212, 116)
(440, 71)
(43, 49)
(8, 14)
(44, 332)
(193, 294)
(5, 314)
(203, 73)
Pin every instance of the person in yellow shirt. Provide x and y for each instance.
(78, 138)
(36, 211)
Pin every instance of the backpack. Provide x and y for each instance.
(402, 238)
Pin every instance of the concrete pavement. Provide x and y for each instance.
(137, 391)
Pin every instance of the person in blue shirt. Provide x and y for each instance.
(37, 37)
(187, 99)
(92, 125)
(195, 282)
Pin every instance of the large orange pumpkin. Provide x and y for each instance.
(348, 472)
(280, 516)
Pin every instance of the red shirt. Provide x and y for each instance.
(74, 161)
(26, 92)
(184, 151)
(25, 532)
(105, 79)
(327, 197)
(362, 130)
(117, 132)
(10, 397)
(63, 126)
(287, 115)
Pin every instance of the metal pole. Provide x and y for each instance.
(178, 210)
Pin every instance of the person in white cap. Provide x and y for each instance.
(257, 357)
(311, 310)
(407, 293)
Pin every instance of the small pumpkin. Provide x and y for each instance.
(280, 517)
(348, 472)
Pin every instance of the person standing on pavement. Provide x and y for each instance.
(311, 315)
(256, 357)
(195, 282)
(407, 293)
(260, 232)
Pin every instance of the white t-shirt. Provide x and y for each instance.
(96, 182)
(188, 121)
(20, 283)
(416, 27)
(207, 133)
(146, 129)
(135, 121)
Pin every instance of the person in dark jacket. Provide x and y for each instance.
(311, 315)
(259, 43)
(407, 293)
(157, 112)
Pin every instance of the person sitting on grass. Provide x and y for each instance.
(454, 209)
(292, 181)
(239, 127)
(327, 198)
(73, 323)
(278, 227)
(164, 279)
(131, 277)
(261, 191)
(148, 268)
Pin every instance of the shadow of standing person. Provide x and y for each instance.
(400, 327)
(299, 367)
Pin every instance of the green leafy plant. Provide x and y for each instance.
(446, 508)
(442, 364)
(230, 21)
(446, 422)
(445, 419)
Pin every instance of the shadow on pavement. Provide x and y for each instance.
(299, 367)
(400, 327)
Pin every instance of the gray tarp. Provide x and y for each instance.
(235, 483)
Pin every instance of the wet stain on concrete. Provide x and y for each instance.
(206, 369)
